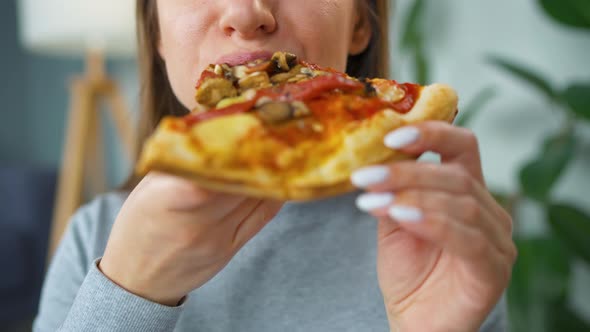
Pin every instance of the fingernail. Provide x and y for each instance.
(405, 214)
(373, 201)
(368, 176)
(401, 137)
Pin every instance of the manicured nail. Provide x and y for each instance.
(405, 214)
(373, 201)
(368, 176)
(402, 137)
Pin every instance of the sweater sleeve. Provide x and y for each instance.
(76, 296)
(497, 321)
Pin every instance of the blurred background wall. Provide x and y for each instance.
(35, 96)
(34, 93)
(12, 83)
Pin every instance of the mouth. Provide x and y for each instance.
(240, 58)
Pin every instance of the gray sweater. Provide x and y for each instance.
(311, 269)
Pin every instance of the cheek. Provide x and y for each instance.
(180, 36)
(323, 27)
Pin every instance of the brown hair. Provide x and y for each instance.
(158, 99)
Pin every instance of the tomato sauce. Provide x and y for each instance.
(356, 106)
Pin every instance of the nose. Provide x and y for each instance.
(247, 18)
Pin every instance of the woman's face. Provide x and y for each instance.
(195, 33)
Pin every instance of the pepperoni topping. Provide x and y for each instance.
(313, 88)
(309, 91)
(407, 103)
(237, 108)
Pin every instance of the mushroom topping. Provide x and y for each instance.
(282, 77)
(283, 61)
(240, 71)
(227, 72)
(306, 71)
(297, 78)
(243, 97)
(215, 89)
(254, 81)
(218, 70)
(263, 100)
(300, 109)
(275, 112)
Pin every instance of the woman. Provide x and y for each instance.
(171, 256)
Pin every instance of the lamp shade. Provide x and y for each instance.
(72, 27)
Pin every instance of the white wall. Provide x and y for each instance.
(463, 33)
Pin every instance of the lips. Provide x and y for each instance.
(240, 58)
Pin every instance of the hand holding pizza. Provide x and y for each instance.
(445, 252)
(285, 129)
(172, 237)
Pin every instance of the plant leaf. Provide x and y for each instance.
(422, 68)
(564, 319)
(502, 198)
(525, 74)
(577, 97)
(478, 102)
(575, 13)
(412, 35)
(538, 176)
(572, 226)
(540, 277)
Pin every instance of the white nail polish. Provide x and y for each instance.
(401, 137)
(405, 214)
(373, 201)
(368, 176)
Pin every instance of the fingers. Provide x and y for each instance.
(409, 174)
(232, 217)
(183, 196)
(462, 209)
(454, 144)
(253, 222)
(442, 229)
(468, 244)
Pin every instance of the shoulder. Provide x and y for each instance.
(90, 226)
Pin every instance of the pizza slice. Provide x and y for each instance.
(285, 129)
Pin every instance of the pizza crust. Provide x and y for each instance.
(325, 174)
(436, 102)
(364, 146)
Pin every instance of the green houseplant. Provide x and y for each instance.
(540, 291)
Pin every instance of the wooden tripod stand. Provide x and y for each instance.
(83, 144)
